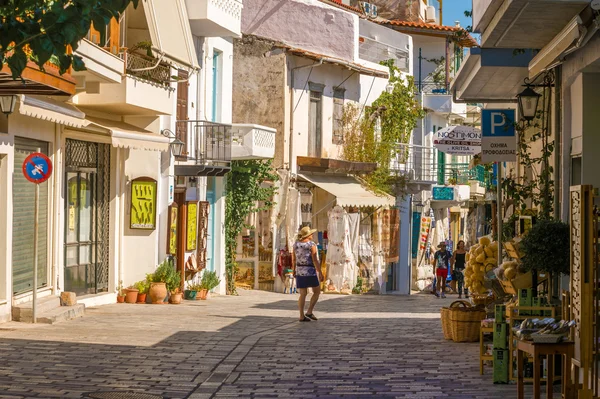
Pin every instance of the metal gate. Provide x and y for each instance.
(87, 227)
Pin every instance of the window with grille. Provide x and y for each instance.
(338, 113)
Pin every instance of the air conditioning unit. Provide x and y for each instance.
(430, 14)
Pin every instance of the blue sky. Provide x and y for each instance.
(454, 10)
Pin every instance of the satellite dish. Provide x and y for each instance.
(595, 4)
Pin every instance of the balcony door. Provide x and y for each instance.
(182, 105)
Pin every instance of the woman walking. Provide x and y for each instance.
(458, 263)
(305, 263)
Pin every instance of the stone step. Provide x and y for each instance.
(62, 313)
(25, 310)
(48, 310)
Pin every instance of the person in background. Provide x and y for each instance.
(458, 264)
(305, 263)
(441, 264)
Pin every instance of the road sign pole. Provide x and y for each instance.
(499, 208)
(35, 248)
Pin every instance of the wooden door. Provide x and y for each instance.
(182, 106)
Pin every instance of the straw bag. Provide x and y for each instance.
(445, 316)
(465, 323)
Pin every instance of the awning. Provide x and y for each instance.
(170, 32)
(52, 111)
(201, 170)
(348, 191)
(125, 135)
(552, 51)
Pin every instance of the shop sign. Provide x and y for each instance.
(192, 226)
(498, 142)
(425, 227)
(143, 204)
(458, 140)
(443, 193)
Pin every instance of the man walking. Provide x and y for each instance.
(441, 264)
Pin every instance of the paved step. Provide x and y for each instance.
(48, 311)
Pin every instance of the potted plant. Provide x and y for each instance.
(120, 293)
(176, 296)
(165, 279)
(192, 291)
(208, 282)
(142, 286)
(131, 294)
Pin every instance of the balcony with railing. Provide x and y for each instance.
(477, 177)
(206, 143)
(252, 142)
(215, 18)
(417, 163)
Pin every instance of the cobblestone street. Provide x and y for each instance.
(249, 346)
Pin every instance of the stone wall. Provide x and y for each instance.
(259, 88)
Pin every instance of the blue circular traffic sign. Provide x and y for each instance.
(37, 168)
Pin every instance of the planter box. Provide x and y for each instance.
(522, 281)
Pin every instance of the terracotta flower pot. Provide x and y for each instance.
(131, 295)
(176, 298)
(141, 298)
(158, 292)
(202, 294)
(120, 298)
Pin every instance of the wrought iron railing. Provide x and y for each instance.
(462, 173)
(206, 142)
(144, 67)
(417, 163)
(431, 87)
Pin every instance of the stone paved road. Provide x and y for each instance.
(247, 347)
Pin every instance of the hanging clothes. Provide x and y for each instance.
(306, 208)
(378, 257)
(341, 263)
(365, 253)
(354, 231)
(293, 215)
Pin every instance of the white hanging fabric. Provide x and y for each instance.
(293, 215)
(341, 263)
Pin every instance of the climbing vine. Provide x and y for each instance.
(536, 189)
(372, 134)
(246, 193)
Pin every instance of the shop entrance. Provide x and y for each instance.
(87, 189)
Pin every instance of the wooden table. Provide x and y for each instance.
(537, 350)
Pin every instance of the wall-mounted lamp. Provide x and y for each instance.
(176, 145)
(7, 104)
(528, 103)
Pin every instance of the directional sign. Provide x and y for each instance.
(498, 139)
(37, 168)
(458, 140)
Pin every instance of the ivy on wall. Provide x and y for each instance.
(372, 134)
(245, 190)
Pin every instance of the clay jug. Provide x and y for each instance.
(158, 292)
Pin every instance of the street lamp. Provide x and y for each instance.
(528, 103)
(7, 104)
(176, 145)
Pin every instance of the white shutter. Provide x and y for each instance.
(23, 211)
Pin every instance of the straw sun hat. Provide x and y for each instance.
(305, 232)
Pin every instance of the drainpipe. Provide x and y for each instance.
(292, 77)
(557, 140)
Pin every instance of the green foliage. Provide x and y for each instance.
(373, 134)
(209, 280)
(166, 273)
(546, 247)
(439, 73)
(194, 287)
(142, 286)
(245, 189)
(41, 30)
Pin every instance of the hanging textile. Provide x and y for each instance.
(293, 215)
(365, 253)
(378, 263)
(424, 237)
(306, 208)
(354, 230)
(341, 263)
(394, 252)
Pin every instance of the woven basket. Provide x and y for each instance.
(466, 323)
(445, 316)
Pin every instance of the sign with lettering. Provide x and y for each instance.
(458, 140)
(498, 141)
(443, 193)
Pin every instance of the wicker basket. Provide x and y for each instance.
(466, 323)
(445, 316)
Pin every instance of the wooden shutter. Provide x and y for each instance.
(114, 36)
(182, 105)
(23, 212)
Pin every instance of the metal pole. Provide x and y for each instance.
(35, 247)
(499, 208)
